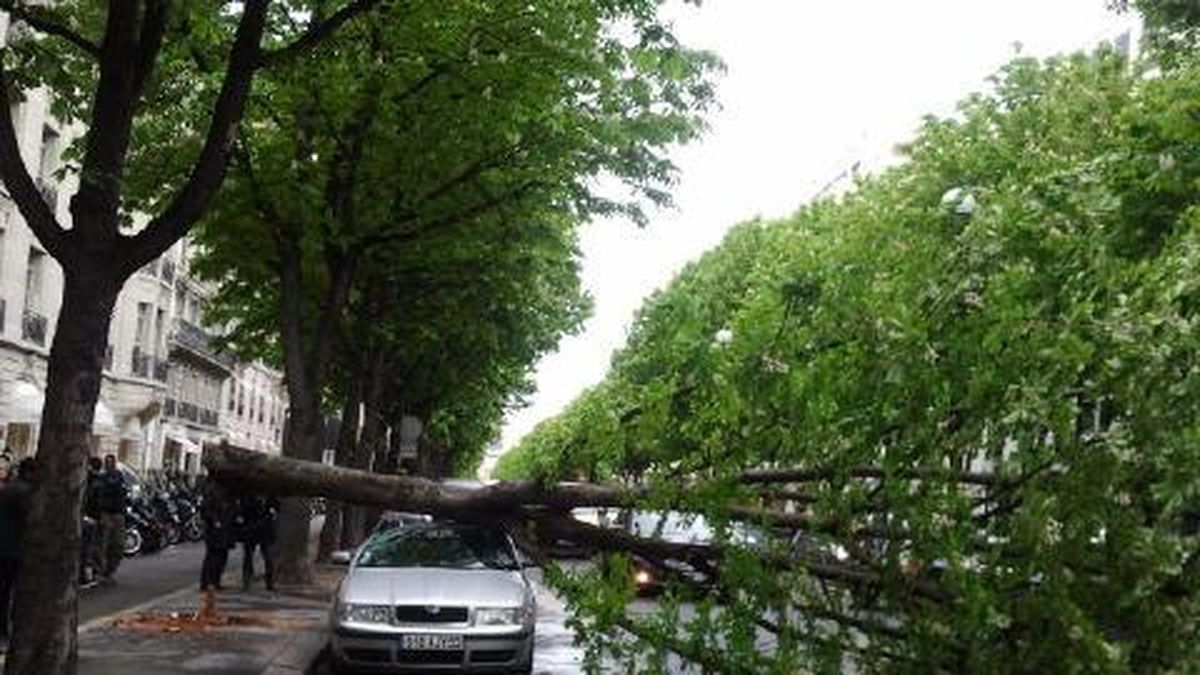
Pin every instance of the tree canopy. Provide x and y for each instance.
(430, 172)
(979, 370)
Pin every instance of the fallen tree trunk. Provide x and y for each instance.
(285, 477)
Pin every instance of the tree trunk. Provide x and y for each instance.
(331, 529)
(304, 443)
(358, 519)
(45, 604)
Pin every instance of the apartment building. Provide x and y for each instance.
(166, 390)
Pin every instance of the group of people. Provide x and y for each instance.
(16, 493)
(248, 519)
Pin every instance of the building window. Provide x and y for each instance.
(35, 279)
(49, 157)
(160, 317)
(232, 396)
(261, 404)
(241, 406)
(142, 336)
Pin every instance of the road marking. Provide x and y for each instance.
(140, 607)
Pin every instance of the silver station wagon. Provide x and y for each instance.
(432, 597)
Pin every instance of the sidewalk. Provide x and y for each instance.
(262, 634)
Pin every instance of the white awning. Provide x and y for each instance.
(186, 444)
(21, 401)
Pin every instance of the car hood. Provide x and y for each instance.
(434, 586)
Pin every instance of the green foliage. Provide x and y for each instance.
(446, 152)
(1018, 298)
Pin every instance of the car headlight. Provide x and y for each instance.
(366, 613)
(499, 616)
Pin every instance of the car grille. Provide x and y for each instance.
(429, 658)
(368, 655)
(493, 655)
(423, 614)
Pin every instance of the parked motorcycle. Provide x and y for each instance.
(187, 508)
(167, 516)
(143, 528)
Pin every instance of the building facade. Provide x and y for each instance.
(166, 391)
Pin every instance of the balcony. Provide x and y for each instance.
(148, 366)
(193, 339)
(33, 327)
(190, 412)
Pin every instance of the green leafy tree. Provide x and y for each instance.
(122, 69)
(426, 132)
(959, 402)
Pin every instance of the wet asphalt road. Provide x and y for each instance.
(144, 578)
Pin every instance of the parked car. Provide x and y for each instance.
(650, 577)
(434, 596)
(390, 520)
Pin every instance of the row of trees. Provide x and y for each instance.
(960, 401)
(399, 188)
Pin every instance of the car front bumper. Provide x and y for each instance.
(381, 653)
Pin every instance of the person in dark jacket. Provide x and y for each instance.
(92, 555)
(257, 518)
(112, 498)
(15, 497)
(218, 512)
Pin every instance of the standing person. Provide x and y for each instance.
(112, 500)
(14, 508)
(218, 512)
(92, 554)
(258, 515)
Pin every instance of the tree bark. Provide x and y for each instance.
(372, 448)
(331, 530)
(45, 604)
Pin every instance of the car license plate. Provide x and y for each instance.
(425, 643)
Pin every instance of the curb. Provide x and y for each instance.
(101, 621)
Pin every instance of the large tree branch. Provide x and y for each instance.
(316, 34)
(21, 188)
(794, 475)
(154, 27)
(546, 504)
(287, 477)
(209, 170)
(40, 19)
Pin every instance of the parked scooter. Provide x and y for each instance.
(147, 532)
(167, 516)
(187, 509)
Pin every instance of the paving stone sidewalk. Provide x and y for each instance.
(282, 634)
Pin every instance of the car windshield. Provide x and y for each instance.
(439, 545)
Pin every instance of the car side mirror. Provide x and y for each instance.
(340, 558)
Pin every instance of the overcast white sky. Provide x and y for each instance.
(811, 87)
